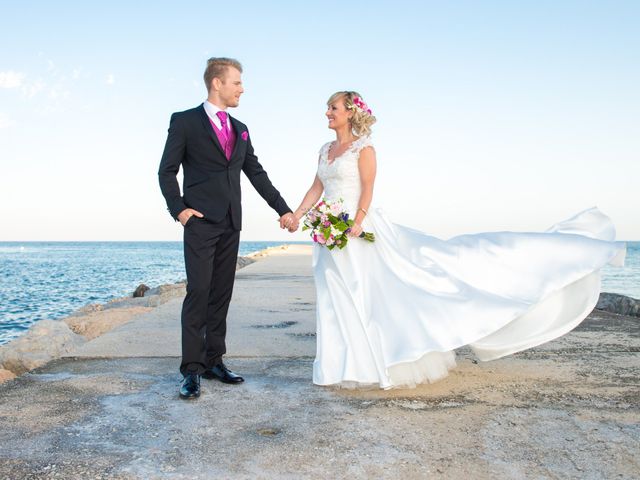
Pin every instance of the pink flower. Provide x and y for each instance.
(321, 240)
(358, 102)
(327, 223)
(336, 209)
(245, 135)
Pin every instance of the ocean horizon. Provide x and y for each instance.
(50, 280)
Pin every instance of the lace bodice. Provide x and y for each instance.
(341, 178)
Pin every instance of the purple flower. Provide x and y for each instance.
(244, 135)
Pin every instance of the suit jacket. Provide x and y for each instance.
(211, 182)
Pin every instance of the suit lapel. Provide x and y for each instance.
(238, 128)
(206, 123)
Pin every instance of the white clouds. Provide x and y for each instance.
(111, 79)
(31, 89)
(51, 82)
(58, 92)
(5, 121)
(11, 79)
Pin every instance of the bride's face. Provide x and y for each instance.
(337, 114)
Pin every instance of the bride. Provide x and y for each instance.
(390, 313)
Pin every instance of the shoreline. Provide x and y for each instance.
(49, 339)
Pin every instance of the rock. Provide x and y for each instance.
(92, 307)
(171, 289)
(243, 262)
(153, 297)
(620, 304)
(6, 375)
(45, 341)
(95, 324)
(139, 292)
(164, 293)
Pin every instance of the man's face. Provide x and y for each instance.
(230, 87)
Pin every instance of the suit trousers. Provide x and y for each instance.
(210, 256)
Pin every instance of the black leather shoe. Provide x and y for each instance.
(190, 387)
(222, 373)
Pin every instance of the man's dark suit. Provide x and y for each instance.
(212, 187)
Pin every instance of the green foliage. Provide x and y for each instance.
(337, 223)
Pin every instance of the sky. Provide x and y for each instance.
(492, 115)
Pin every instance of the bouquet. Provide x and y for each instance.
(330, 225)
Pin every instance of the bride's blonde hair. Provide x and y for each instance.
(362, 118)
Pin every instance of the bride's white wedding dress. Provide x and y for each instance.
(390, 313)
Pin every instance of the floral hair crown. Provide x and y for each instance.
(360, 105)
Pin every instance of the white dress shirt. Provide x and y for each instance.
(212, 112)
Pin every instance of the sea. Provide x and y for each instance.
(49, 280)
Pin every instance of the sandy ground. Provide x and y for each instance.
(568, 409)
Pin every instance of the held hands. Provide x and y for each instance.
(290, 222)
(186, 214)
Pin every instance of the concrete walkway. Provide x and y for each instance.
(568, 409)
(272, 314)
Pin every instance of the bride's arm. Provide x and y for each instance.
(367, 168)
(310, 199)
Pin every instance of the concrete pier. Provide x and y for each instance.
(110, 409)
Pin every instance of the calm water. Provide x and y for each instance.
(51, 279)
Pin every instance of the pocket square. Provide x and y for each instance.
(244, 135)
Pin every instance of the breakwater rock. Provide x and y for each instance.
(50, 339)
(620, 304)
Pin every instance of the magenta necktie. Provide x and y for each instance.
(224, 130)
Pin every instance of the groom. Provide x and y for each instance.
(213, 148)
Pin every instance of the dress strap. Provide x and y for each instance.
(324, 149)
(362, 142)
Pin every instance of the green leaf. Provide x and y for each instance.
(341, 226)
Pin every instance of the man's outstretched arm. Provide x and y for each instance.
(260, 181)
